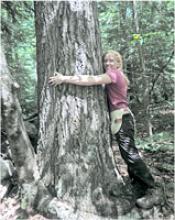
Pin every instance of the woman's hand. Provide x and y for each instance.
(56, 80)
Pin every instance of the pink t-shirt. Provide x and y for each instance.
(117, 90)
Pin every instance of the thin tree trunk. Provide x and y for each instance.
(74, 152)
(143, 73)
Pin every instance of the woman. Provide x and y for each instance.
(122, 124)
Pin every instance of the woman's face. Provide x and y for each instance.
(110, 62)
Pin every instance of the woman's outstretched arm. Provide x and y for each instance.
(81, 80)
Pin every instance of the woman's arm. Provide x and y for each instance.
(81, 80)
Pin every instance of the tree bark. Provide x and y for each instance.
(23, 155)
(22, 150)
(33, 193)
(74, 152)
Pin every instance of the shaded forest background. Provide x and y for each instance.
(142, 32)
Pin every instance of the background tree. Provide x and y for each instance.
(21, 148)
(18, 37)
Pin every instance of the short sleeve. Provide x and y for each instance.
(113, 74)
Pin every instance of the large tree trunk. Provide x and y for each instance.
(74, 152)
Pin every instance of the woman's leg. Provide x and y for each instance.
(137, 169)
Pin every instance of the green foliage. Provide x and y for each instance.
(18, 38)
(163, 141)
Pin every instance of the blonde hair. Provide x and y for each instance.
(118, 58)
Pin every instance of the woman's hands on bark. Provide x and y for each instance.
(56, 80)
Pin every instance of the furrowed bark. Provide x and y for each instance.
(74, 153)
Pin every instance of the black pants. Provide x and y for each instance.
(137, 169)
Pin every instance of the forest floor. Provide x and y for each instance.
(160, 160)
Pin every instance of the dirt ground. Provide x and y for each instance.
(161, 165)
